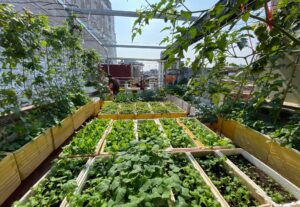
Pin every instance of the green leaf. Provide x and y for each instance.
(193, 32)
(246, 16)
(121, 192)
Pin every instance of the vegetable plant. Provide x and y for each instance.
(149, 131)
(137, 178)
(207, 137)
(56, 185)
(126, 108)
(268, 184)
(172, 107)
(231, 188)
(110, 108)
(142, 108)
(120, 136)
(157, 107)
(193, 191)
(86, 139)
(176, 134)
(143, 176)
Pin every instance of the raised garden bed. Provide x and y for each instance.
(120, 136)
(282, 159)
(149, 132)
(207, 137)
(142, 177)
(268, 184)
(176, 134)
(141, 110)
(85, 141)
(230, 186)
(51, 189)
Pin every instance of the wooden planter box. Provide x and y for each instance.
(61, 132)
(97, 106)
(284, 160)
(32, 154)
(82, 114)
(9, 177)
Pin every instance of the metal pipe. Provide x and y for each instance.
(119, 13)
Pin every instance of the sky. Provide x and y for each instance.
(151, 34)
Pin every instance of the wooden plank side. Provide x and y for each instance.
(31, 155)
(197, 142)
(9, 177)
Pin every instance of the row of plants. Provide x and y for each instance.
(261, 38)
(176, 134)
(128, 108)
(231, 188)
(41, 65)
(158, 108)
(143, 177)
(207, 137)
(268, 184)
(147, 95)
(55, 186)
(140, 108)
(86, 139)
(110, 108)
(122, 133)
(149, 132)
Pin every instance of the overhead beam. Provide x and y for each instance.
(119, 13)
(140, 59)
(136, 46)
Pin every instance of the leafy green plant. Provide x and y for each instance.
(124, 97)
(234, 192)
(142, 108)
(138, 178)
(157, 107)
(176, 134)
(193, 191)
(177, 90)
(120, 136)
(126, 108)
(56, 185)
(149, 131)
(85, 140)
(172, 107)
(207, 137)
(143, 176)
(268, 184)
(110, 108)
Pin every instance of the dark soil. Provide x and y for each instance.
(268, 184)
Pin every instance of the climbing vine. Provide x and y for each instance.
(243, 43)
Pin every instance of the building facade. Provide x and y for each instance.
(98, 28)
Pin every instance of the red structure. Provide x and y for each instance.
(122, 72)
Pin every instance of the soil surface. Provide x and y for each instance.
(268, 184)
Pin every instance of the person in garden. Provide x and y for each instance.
(113, 85)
